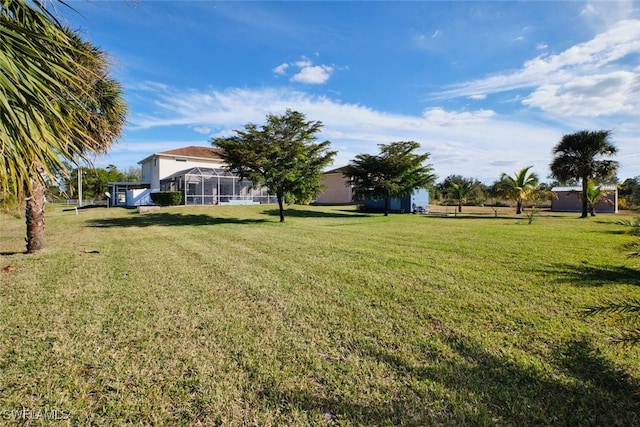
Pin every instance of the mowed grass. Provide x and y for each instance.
(224, 316)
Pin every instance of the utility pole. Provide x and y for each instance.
(79, 183)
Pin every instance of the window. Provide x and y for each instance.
(191, 188)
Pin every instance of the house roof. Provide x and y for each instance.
(201, 172)
(579, 188)
(192, 151)
(336, 170)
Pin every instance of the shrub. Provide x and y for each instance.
(167, 198)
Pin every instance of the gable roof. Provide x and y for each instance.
(336, 170)
(194, 151)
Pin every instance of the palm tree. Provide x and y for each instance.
(460, 191)
(579, 155)
(57, 103)
(518, 187)
(594, 194)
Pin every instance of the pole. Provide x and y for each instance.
(79, 184)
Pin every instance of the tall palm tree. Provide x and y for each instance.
(580, 155)
(518, 187)
(56, 102)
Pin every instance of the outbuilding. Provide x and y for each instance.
(418, 202)
(567, 199)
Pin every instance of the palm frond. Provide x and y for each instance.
(630, 338)
(629, 309)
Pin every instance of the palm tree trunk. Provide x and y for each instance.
(280, 198)
(386, 206)
(519, 207)
(585, 202)
(34, 212)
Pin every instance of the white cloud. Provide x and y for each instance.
(202, 129)
(446, 118)
(602, 14)
(317, 74)
(588, 79)
(468, 142)
(306, 72)
(595, 95)
(281, 69)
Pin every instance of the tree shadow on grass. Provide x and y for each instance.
(471, 386)
(588, 391)
(167, 219)
(303, 213)
(591, 275)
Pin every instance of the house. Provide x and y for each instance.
(199, 173)
(418, 202)
(336, 190)
(568, 200)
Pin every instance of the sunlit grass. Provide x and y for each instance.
(222, 315)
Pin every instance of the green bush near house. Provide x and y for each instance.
(167, 198)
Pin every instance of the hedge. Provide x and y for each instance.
(167, 198)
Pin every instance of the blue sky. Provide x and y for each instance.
(485, 87)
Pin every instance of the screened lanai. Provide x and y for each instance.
(213, 186)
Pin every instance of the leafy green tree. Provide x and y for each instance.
(630, 191)
(58, 103)
(518, 187)
(282, 155)
(396, 172)
(477, 193)
(132, 174)
(580, 155)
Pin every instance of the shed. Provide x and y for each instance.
(418, 202)
(568, 200)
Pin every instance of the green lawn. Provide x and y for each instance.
(223, 316)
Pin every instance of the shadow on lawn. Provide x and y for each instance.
(302, 213)
(167, 219)
(470, 386)
(591, 275)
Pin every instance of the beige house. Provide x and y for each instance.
(337, 189)
(568, 200)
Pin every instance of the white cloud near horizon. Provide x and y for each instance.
(480, 143)
(467, 142)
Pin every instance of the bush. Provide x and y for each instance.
(167, 198)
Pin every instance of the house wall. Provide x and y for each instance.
(156, 168)
(418, 201)
(150, 171)
(337, 189)
(139, 197)
(569, 201)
